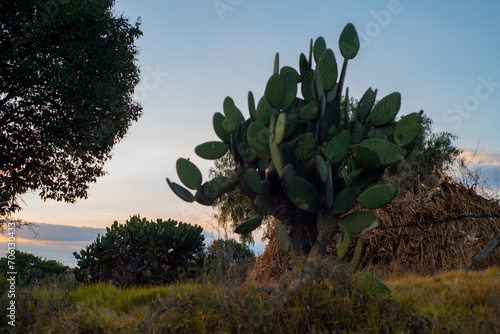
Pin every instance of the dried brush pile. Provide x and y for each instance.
(413, 238)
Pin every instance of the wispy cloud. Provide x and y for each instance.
(484, 158)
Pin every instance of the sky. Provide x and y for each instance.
(442, 56)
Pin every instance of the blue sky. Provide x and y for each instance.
(442, 56)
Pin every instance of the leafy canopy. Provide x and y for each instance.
(67, 75)
(141, 252)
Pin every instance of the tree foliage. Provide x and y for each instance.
(31, 268)
(141, 252)
(233, 208)
(230, 249)
(433, 156)
(67, 75)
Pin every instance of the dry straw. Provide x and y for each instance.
(412, 237)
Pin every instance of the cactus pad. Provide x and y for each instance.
(287, 69)
(188, 173)
(233, 115)
(180, 191)
(253, 180)
(258, 139)
(277, 157)
(321, 168)
(358, 254)
(304, 195)
(343, 244)
(249, 225)
(377, 196)
(365, 105)
(387, 152)
(346, 200)
(386, 109)
(275, 90)
(307, 85)
(216, 187)
(349, 42)
(211, 150)
(318, 48)
(368, 176)
(327, 66)
(305, 147)
(309, 112)
(264, 110)
(357, 221)
(365, 157)
(251, 106)
(407, 129)
(261, 202)
(338, 146)
(219, 129)
(290, 80)
(288, 176)
(279, 131)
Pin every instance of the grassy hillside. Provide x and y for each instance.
(454, 302)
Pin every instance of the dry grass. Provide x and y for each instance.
(430, 246)
(453, 301)
(307, 302)
(427, 247)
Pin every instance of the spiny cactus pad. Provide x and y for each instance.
(386, 109)
(188, 173)
(275, 90)
(407, 129)
(181, 191)
(357, 221)
(349, 42)
(358, 254)
(343, 244)
(254, 181)
(327, 66)
(233, 115)
(346, 200)
(318, 48)
(365, 105)
(219, 129)
(304, 195)
(377, 196)
(211, 150)
(249, 225)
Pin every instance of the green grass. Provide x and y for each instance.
(454, 302)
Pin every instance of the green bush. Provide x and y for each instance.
(228, 259)
(141, 252)
(230, 250)
(30, 269)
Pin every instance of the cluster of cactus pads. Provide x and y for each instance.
(292, 153)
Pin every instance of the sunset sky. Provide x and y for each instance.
(443, 57)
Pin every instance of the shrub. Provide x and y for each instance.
(228, 259)
(141, 252)
(230, 249)
(30, 269)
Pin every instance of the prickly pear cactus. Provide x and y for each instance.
(291, 153)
